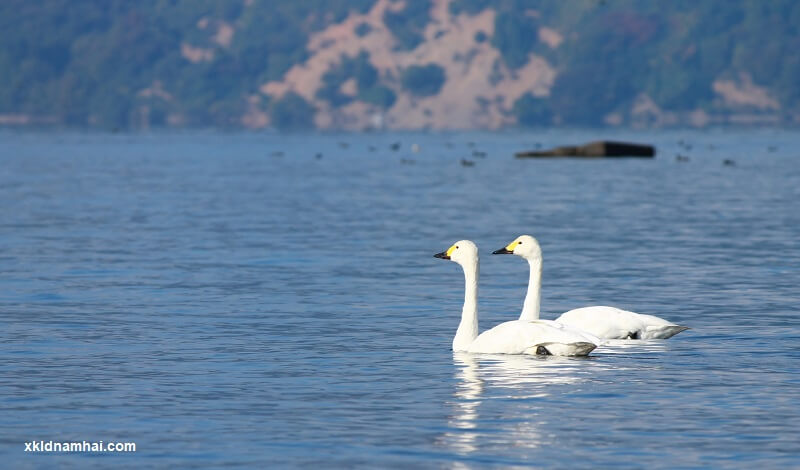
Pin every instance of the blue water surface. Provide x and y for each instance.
(265, 300)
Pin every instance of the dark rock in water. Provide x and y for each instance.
(395, 146)
(601, 148)
(728, 162)
(465, 162)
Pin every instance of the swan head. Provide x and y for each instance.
(524, 245)
(463, 252)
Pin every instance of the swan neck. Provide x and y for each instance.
(468, 328)
(530, 309)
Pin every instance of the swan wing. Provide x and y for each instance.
(587, 336)
(604, 322)
(614, 323)
(522, 337)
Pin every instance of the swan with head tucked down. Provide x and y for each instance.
(512, 337)
(603, 322)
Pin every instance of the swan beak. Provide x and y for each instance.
(446, 254)
(508, 250)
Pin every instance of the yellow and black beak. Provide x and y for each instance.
(446, 254)
(507, 250)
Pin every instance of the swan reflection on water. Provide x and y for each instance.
(498, 399)
(469, 387)
(631, 346)
(485, 377)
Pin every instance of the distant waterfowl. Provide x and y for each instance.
(681, 158)
(603, 322)
(465, 162)
(728, 162)
(395, 146)
(512, 337)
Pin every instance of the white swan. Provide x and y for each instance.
(604, 322)
(512, 337)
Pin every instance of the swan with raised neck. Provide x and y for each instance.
(513, 337)
(528, 248)
(601, 321)
(465, 253)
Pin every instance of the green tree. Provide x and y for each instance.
(531, 111)
(515, 36)
(379, 96)
(291, 112)
(423, 80)
(408, 24)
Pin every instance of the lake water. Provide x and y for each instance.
(232, 299)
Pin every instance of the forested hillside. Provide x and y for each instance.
(411, 64)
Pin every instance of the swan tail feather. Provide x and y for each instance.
(664, 332)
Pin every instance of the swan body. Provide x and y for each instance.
(600, 321)
(531, 337)
(615, 323)
(512, 337)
